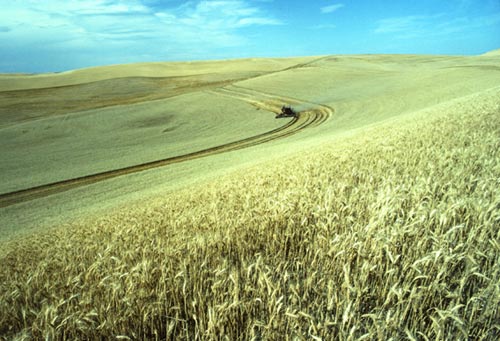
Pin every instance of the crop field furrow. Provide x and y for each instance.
(12, 198)
(269, 103)
(372, 213)
(273, 102)
(305, 119)
(392, 232)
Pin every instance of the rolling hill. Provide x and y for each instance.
(164, 200)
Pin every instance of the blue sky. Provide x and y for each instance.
(57, 35)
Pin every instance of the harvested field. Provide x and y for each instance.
(374, 214)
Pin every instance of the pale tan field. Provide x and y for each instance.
(60, 126)
(375, 217)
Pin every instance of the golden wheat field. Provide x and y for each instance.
(373, 215)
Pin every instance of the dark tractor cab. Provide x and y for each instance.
(286, 111)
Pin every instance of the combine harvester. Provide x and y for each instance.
(286, 111)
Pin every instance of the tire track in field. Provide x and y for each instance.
(273, 103)
(268, 102)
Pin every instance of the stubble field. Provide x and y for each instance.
(376, 217)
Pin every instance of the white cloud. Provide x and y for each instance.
(82, 7)
(331, 8)
(122, 31)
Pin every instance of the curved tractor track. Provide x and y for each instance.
(307, 118)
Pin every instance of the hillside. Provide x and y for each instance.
(89, 123)
(373, 214)
(493, 53)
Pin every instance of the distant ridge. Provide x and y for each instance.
(492, 53)
(9, 82)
